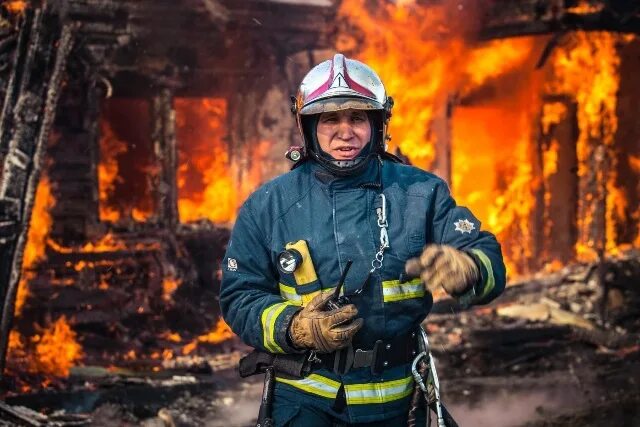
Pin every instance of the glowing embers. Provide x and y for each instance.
(15, 6)
(127, 169)
(221, 332)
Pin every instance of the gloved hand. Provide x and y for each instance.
(325, 331)
(442, 265)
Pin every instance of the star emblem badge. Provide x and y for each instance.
(464, 226)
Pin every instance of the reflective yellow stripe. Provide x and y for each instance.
(268, 318)
(362, 394)
(393, 290)
(357, 394)
(289, 293)
(491, 280)
(314, 384)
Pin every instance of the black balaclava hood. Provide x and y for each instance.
(343, 167)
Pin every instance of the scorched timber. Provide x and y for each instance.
(511, 18)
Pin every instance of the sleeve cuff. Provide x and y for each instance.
(486, 283)
(275, 323)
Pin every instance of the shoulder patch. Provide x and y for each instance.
(232, 264)
(464, 226)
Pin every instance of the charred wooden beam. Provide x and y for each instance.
(509, 18)
(13, 86)
(164, 145)
(36, 101)
(441, 127)
(555, 213)
(22, 418)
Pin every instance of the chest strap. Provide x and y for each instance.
(397, 351)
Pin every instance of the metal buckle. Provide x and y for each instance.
(344, 358)
(372, 358)
(363, 358)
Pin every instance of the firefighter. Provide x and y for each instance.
(349, 202)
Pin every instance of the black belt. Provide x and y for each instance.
(397, 351)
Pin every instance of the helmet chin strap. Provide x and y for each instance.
(347, 163)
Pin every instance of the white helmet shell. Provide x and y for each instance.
(340, 84)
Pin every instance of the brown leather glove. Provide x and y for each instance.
(442, 265)
(324, 331)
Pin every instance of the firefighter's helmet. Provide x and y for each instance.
(342, 84)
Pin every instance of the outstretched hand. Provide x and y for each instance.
(446, 267)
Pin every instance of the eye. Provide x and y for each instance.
(330, 118)
(358, 118)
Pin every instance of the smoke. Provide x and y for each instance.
(512, 408)
(238, 408)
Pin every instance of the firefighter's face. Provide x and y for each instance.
(343, 134)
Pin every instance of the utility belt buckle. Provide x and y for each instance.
(343, 360)
(371, 358)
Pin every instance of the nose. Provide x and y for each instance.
(345, 130)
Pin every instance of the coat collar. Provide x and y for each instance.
(368, 178)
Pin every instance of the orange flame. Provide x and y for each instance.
(206, 188)
(110, 148)
(127, 171)
(15, 6)
(56, 350)
(585, 7)
(169, 286)
(211, 184)
(422, 65)
(588, 68)
(36, 239)
(221, 332)
(424, 61)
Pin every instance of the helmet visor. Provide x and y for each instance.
(339, 104)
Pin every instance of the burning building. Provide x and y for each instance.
(133, 130)
(160, 118)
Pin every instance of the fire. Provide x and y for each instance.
(127, 169)
(110, 148)
(36, 239)
(107, 243)
(422, 64)
(56, 350)
(205, 185)
(221, 332)
(495, 124)
(169, 286)
(584, 7)
(588, 68)
(15, 6)
(213, 178)
(40, 224)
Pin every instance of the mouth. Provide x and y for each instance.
(346, 149)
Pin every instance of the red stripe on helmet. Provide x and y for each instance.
(350, 82)
(323, 88)
(355, 86)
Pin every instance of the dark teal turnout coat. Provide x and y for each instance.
(337, 218)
